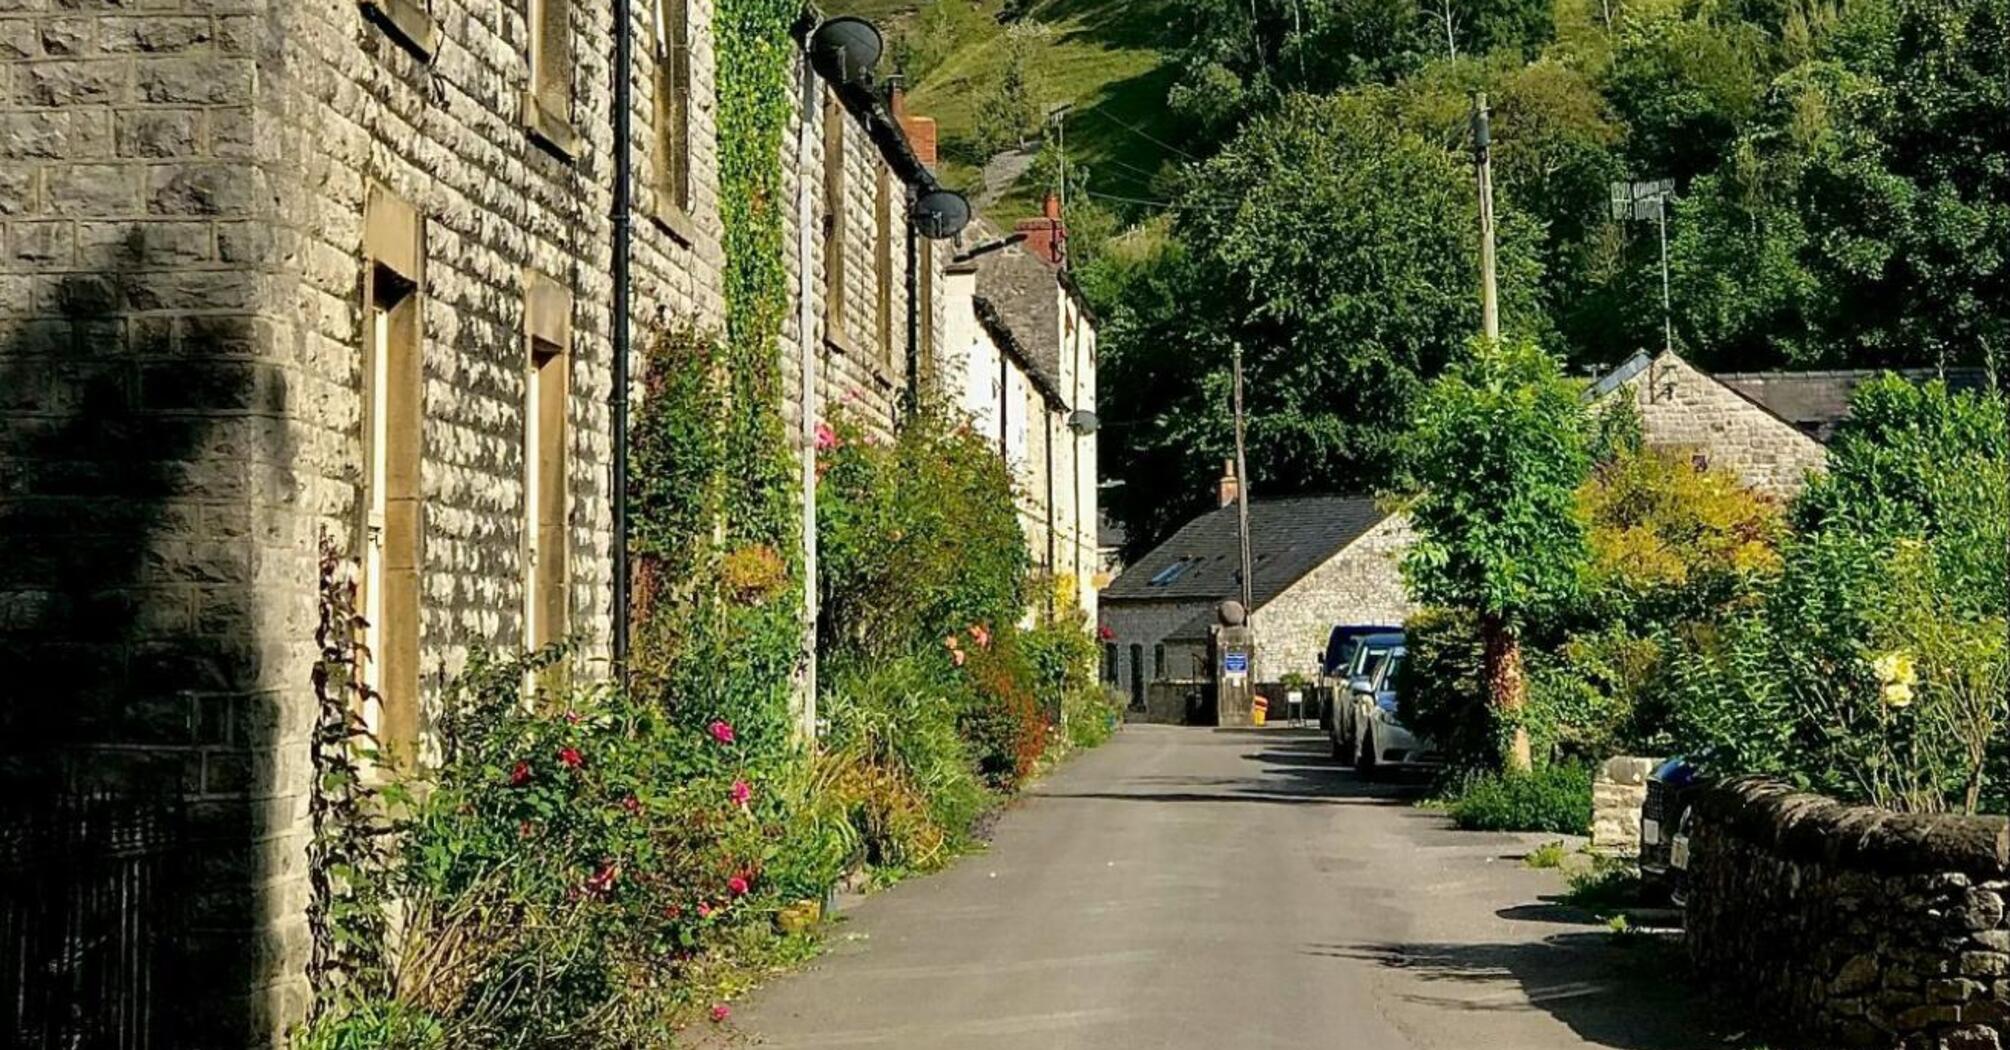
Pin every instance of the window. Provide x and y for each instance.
(392, 381)
(673, 107)
(1137, 675)
(1110, 662)
(882, 264)
(407, 23)
(546, 439)
(1158, 662)
(834, 225)
(548, 102)
(1167, 575)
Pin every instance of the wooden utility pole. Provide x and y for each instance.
(1490, 312)
(1241, 487)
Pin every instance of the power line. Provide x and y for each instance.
(1140, 132)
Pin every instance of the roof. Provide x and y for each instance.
(1817, 401)
(1287, 539)
(1813, 402)
(1018, 297)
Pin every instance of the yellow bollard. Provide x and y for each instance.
(1259, 710)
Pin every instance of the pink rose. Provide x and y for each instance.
(742, 791)
(826, 437)
(720, 1011)
(722, 731)
(738, 884)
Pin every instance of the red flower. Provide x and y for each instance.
(1105, 633)
(742, 791)
(722, 731)
(704, 910)
(671, 911)
(738, 884)
(603, 880)
(826, 437)
(572, 718)
(720, 1011)
(632, 804)
(981, 636)
(519, 775)
(571, 757)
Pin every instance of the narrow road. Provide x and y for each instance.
(1220, 890)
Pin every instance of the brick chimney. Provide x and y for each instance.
(920, 131)
(1046, 236)
(1230, 485)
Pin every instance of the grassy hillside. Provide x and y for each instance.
(1100, 56)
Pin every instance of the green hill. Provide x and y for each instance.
(1099, 56)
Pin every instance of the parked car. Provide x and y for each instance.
(1336, 665)
(1356, 675)
(1383, 741)
(1664, 828)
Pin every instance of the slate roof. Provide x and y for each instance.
(1017, 300)
(1287, 539)
(1814, 402)
(1817, 401)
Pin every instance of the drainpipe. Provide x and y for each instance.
(806, 703)
(913, 313)
(617, 396)
(1047, 421)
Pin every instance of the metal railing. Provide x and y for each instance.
(89, 886)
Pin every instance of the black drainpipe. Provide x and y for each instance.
(1047, 421)
(913, 314)
(617, 398)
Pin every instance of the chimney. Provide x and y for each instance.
(1231, 486)
(1046, 236)
(920, 131)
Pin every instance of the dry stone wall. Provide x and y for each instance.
(1850, 925)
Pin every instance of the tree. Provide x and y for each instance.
(1337, 247)
(1010, 107)
(1495, 456)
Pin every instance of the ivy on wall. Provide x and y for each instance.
(714, 494)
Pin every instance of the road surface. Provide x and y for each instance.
(1219, 890)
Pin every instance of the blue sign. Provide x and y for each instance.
(1235, 663)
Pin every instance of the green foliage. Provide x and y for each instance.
(1003, 719)
(1546, 856)
(1877, 668)
(1495, 454)
(1553, 798)
(918, 539)
(1010, 110)
(1334, 243)
(1442, 696)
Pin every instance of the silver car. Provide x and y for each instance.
(1381, 740)
(1366, 661)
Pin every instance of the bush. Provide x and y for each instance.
(1440, 696)
(894, 751)
(1554, 798)
(1001, 717)
(917, 539)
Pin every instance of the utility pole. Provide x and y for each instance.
(1667, 313)
(1241, 486)
(1490, 314)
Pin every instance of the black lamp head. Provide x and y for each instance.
(843, 50)
(939, 214)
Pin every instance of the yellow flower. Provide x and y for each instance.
(1896, 668)
(1896, 694)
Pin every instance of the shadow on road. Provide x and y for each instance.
(1623, 991)
(1294, 767)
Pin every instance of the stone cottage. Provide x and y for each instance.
(276, 271)
(1768, 427)
(1316, 561)
(1018, 359)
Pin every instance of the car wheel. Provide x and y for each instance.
(1365, 760)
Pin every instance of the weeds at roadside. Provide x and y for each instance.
(1546, 856)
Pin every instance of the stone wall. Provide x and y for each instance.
(1363, 583)
(1851, 925)
(1618, 790)
(1681, 407)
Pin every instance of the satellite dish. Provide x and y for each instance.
(844, 50)
(939, 214)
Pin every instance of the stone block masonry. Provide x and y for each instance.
(1618, 791)
(1853, 925)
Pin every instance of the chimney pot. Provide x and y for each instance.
(1051, 207)
(1230, 485)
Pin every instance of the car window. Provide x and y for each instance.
(1372, 663)
(1390, 673)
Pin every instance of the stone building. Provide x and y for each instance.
(1018, 358)
(1768, 427)
(278, 271)
(1316, 561)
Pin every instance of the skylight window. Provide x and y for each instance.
(1168, 574)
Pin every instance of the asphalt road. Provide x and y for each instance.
(1227, 889)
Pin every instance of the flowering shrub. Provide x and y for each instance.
(565, 865)
(1002, 717)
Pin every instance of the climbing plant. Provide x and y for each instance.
(713, 493)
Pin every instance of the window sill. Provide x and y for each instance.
(407, 23)
(843, 342)
(676, 222)
(548, 129)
